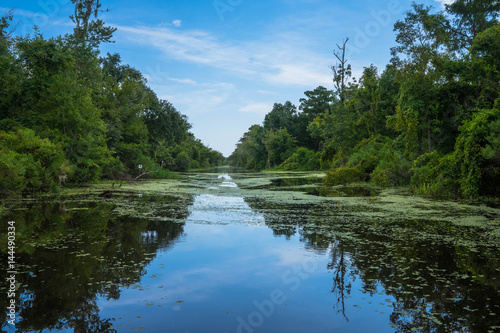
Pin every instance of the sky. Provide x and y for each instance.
(224, 63)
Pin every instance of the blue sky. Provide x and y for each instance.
(224, 63)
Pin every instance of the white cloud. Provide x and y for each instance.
(257, 107)
(176, 23)
(277, 61)
(185, 81)
(199, 99)
(445, 2)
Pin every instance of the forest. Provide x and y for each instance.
(429, 121)
(69, 115)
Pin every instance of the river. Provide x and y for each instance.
(240, 252)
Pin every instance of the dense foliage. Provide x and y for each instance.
(67, 114)
(430, 120)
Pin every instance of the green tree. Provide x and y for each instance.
(29, 164)
(470, 18)
(58, 107)
(318, 101)
(250, 151)
(280, 145)
(417, 114)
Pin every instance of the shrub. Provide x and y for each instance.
(476, 149)
(195, 164)
(302, 159)
(435, 175)
(344, 175)
(28, 163)
(392, 170)
(182, 161)
(164, 174)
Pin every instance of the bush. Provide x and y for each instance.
(476, 152)
(435, 175)
(344, 175)
(12, 169)
(392, 170)
(302, 159)
(182, 161)
(194, 164)
(30, 164)
(376, 159)
(164, 174)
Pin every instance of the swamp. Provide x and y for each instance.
(234, 251)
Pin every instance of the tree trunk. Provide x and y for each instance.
(268, 155)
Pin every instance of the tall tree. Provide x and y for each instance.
(89, 31)
(470, 17)
(417, 112)
(342, 71)
(319, 101)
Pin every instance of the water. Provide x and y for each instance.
(219, 253)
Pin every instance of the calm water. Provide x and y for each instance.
(225, 259)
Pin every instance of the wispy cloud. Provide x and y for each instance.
(281, 60)
(257, 107)
(445, 2)
(174, 23)
(199, 98)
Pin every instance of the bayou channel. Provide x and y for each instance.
(229, 251)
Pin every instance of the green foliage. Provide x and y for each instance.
(182, 162)
(280, 145)
(250, 151)
(377, 159)
(392, 170)
(302, 159)
(30, 164)
(345, 175)
(435, 175)
(164, 174)
(97, 116)
(473, 169)
(474, 144)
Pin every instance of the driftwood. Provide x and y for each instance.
(142, 174)
(145, 173)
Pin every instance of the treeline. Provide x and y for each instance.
(430, 120)
(68, 114)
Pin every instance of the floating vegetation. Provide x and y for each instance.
(426, 265)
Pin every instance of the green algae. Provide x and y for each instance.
(435, 258)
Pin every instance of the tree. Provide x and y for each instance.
(89, 33)
(365, 101)
(279, 145)
(341, 72)
(471, 17)
(58, 107)
(281, 116)
(319, 101)
(417, 110)
(250, 151)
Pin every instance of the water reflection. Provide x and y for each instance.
(217, 261)
(429, 284)
(71, 254)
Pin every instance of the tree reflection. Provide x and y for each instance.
(341, 285)
(71, 255)
(433, 286)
